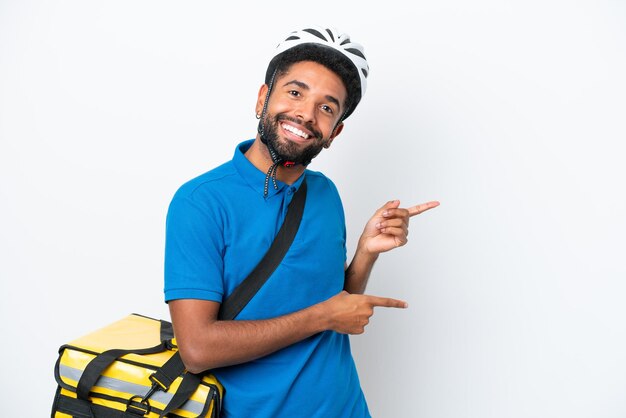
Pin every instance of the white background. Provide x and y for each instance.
(511, 113)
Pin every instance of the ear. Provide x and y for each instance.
(336, 132)
(261, 99)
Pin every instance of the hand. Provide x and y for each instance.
(389, 227)
(350, 313)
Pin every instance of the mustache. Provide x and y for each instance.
(317, 134)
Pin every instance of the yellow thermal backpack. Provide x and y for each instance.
(111, 374)
(130, 369)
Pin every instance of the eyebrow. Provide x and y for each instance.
(306, 87)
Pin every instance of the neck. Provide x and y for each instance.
(260, 157)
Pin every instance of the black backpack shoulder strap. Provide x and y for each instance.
(243, 293)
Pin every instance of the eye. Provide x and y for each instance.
(327, 109)
(294, 93)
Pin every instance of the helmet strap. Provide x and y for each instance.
(276, 159)
(260, 128)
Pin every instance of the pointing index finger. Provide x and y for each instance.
(387, 302)
(417, 209)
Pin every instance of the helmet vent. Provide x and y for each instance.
(356, 52)
(316, 33)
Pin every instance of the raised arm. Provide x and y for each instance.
(386, 230)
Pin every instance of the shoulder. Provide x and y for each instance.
(210, 182)
(323, 188)
(204, 194)
(318, 180)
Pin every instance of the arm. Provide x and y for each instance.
(387, 229)
(358, 272)
(206, 342)
(193, 268)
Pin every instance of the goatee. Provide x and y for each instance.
(287, 150)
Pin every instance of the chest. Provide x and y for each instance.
(311, 271)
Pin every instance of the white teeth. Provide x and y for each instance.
(295, 131)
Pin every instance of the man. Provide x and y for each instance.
(288, 352)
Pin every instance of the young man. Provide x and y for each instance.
(288, 352)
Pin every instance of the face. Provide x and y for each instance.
(303, 111)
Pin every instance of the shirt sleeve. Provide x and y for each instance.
(194, 247)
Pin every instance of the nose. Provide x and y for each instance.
(306, 111)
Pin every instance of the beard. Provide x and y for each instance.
(285, 149)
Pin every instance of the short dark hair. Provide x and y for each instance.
(330, 58)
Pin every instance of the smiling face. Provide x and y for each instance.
(305, 105)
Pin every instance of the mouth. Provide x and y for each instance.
(295, 133)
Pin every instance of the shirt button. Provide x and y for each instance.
(290, 191)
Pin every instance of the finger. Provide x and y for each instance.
(396, 213)
(392, 204)
(394, 223)
(417, 209)
(387, 302)
(399, 233)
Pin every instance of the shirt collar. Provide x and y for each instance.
(255, 177)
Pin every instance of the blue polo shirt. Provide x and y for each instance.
(219, 226)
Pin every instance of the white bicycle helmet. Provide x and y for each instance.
(330, 38)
